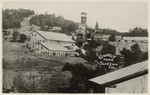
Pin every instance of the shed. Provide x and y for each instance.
(131, 79)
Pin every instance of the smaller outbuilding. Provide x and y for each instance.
(131, 79)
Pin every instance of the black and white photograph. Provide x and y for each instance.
(74, 46)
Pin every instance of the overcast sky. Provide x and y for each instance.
(120, 16)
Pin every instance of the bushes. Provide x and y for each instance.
(112, 38)
(51, 83)
(134, 55)
(23, 37)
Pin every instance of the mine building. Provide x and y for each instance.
(52, 43)
(131, 79)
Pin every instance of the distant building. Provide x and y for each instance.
(119, 38)
(52, 42)
(131, 79)
(135, 39)
(56, 29)
(104, 37)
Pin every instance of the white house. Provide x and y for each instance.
(60, 41)
(136, 39)
(131, 79)
(104, 37)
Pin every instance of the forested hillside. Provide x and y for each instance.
(47, 21)
(11, 18)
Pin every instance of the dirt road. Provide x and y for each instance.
(8, 80)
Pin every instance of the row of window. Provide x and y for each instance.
(33, 34)
(50, 41)
(36, 49)
(124, 40)
(58, 53)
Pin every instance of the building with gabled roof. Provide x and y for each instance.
(131, 79)
(53, 36)
(53, 49)
(135, 39)
(52, 42)
(50, 37)
(56, 29)
(104, 37)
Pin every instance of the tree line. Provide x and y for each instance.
(134, 32)
(47, 21)
(11, 18)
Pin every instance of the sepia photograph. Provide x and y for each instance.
(74, 47)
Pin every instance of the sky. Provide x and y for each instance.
(120, 16)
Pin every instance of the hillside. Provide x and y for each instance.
(19, 63)
(47, 21)
(12, 18)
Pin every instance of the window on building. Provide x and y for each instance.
(41, 47)
(43, 41)
(35, 34)
(54, 53)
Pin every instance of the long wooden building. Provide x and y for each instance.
(52, 43)
(131, 79)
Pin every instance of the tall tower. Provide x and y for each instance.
(81, 32)
(83, 24)
(83, 17)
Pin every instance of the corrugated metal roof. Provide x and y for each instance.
(121, 73)
(55, 36)
(102, 36)
(55, 47)
(56, 28)
(136, 38)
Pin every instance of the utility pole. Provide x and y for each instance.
(18, 57)
(33, 82)
(30, 68)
